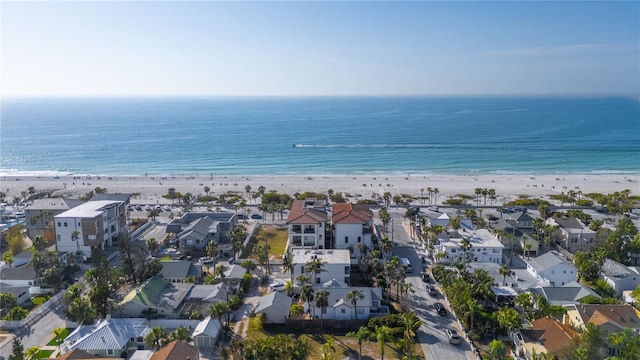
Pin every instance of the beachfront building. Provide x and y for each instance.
(552, 269)
(307, 222)
(336, 264)
(195, 230)
(620, 277)
(572, 235)
(39, 215)
(94, 224)
(485, 248)
(352, 227)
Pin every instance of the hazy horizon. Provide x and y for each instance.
(320, 49)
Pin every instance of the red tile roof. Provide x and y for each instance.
(347, 213)
(300, 214)
(556, 336)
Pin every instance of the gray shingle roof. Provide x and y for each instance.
(17, 273)
(275, 299)
(546, 261)
(178, 269)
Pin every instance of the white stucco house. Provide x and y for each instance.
(342, 308)
(109, 337)
(552, 269)
(307, 222)
(336, 264)
(352, 227)
(485, 248)
(572, 235)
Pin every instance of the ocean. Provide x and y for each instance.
(350, 135)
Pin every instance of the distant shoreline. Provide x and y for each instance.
(149, 189)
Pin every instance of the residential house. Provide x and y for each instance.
(275, 306)
(545, 336)
(307, 223)
(233, 275)
(570, 293)
(176, 350)
(195, 230)
(572, 235)
(444, 221)
(157, 295)
(552, 269)
(342, 308)
(352, 227)
(610, 318)
(109, 337)
(15, 280)
(206, 333)
(77, 354)
(517, 278)
(97, 224)
(180, 271)
(209, 294)
(619, 276)
(485, 248)
(39, 215)
(23, 258)
(336, 264)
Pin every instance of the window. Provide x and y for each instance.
(360, 310)
(317, 280)
(59, 224)
(346, 270)
(346, 239)
(132, 339)
(140, 339)
(110, 352)
(359, 239)
(342, 311)
(302, 269)
(197, 241)
(65, 224)
(58, 237)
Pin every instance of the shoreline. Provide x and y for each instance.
(150, 188)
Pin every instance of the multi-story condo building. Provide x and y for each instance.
(485, 248)
(307, 223)
(352, 225)
(94, 224)
(335, 265)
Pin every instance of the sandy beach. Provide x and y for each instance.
(149, 189)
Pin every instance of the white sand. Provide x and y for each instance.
(150, 188)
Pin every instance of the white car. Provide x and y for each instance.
(206, 260)
(276, 286)
(454, 339)
(433, 208)
(167, 208)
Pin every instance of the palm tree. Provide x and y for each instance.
(322, 301)
(181, 334)
(156, 337)
(362, 334)
(354, 296)
(287, 264)
(314, 266)
(306, 295)
(212, 249)
(411, 324)
(32, 353)
(218, 271)
(238, 247)
(465, 245)
(219, 310)
(383, 333)
(504, 271)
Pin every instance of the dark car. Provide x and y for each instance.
(440, 309)
(256, 216)
(432, 290)
(425, 277)
(454, 339)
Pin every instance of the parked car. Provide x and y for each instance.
(440, 309)
(206, 260)
(139, 207)
(256, 216)
(276, 286)
(432, 290)
(167, 208)
(433, 208)
(454, 339)
(425, 277)
(147, 208)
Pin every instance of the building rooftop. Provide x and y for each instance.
(302, 256)
(546, 261)
(89, 209)
(480, 238)
(53, 204)
(614, 269)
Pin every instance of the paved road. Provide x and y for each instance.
(431, 335)
(36, 335)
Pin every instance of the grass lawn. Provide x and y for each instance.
(44, 354)
(276, 238)
(343, 345)
(56, 341)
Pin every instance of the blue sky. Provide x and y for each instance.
(320, 48)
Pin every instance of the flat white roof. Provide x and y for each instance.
(302, 256)
(89, 209)
(479, 238)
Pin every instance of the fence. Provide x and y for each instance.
(326, 323)
(34, 315)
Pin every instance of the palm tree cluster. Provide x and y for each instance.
(401, 328)
(281, 347)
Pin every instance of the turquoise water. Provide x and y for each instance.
(121, 136)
